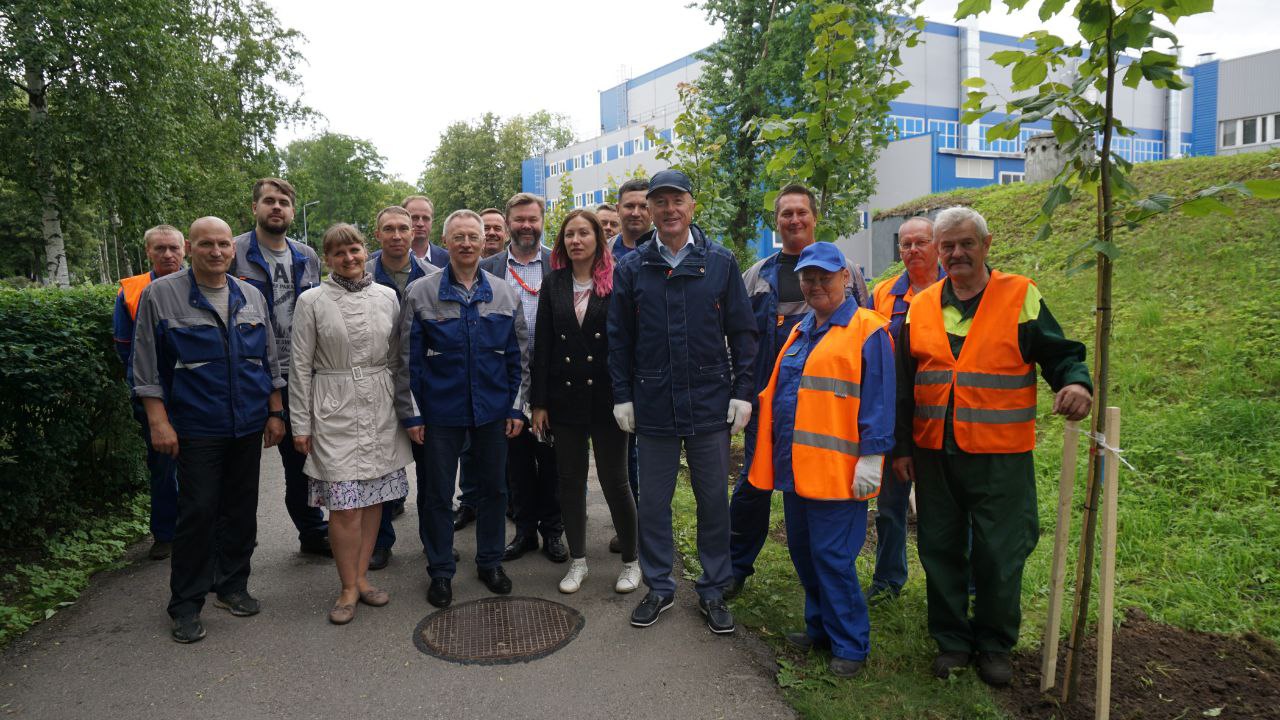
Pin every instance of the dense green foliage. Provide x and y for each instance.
(345, 175)
(1196, 372)
(68, 443)
(123, 114)
(477, 164)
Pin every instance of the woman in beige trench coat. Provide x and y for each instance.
(342, 404)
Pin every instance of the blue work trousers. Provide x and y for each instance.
(891, 533)
(163, 470)
(708, 458)
(824, 537)
(441, 451)
(748, 512)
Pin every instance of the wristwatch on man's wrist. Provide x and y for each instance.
(276, 414)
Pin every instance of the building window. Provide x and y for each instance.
(1249, 131)
(1229, 133)
(905, 127)
(1008, 178)
(975, 169)
(948, 133)
(1147, 150)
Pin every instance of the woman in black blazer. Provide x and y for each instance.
(571, 396)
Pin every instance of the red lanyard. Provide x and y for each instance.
(520, 280)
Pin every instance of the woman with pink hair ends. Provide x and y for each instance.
(572, 396)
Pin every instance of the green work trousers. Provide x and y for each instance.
(994, 497)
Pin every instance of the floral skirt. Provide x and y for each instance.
(352, 494)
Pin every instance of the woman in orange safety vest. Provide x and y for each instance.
(826, 420)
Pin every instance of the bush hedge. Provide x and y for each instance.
(68, 441)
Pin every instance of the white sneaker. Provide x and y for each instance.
(573, 579)
(629, 578)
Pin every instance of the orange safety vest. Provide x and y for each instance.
(824, 446)
(132, 288)
(995, 389)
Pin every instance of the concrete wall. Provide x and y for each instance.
(1249, 86)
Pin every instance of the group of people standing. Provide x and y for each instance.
(496, 365)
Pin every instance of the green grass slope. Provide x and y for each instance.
(1196, 373)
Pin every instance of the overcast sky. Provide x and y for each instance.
(397, 72)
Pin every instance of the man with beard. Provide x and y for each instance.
(495, 231)
(421, 212)
(164, 246)
(531, 464)
(966, 427)
(282, 269)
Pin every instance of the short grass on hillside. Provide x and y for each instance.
(1196, 373)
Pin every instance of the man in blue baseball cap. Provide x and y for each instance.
(681, 346)
(825, 423)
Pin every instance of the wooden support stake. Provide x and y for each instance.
(1107, 570)
(1066, 487)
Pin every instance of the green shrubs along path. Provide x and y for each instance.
(1196, 372)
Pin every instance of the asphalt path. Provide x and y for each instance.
(109, 656)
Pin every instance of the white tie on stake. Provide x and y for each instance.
(1101, 440)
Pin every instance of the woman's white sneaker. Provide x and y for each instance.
(629, 578)
(573, 579)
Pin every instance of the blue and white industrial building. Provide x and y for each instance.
(1231, 106)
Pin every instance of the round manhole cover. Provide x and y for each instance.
(498, 630)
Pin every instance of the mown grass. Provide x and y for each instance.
(1196, 373)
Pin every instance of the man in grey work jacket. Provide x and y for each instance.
(205, 369)
(282, 269)
(681, 346)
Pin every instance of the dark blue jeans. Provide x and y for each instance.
(891, 533)
(308, 520)
(748, 513)
(441, 451)
(164, 483)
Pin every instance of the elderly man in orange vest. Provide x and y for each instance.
(165, 249)
(966, 426)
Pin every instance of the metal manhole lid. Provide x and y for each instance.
(498, 630)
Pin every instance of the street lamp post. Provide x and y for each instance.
(305, 237)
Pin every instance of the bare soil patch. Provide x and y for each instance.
(1160, 672)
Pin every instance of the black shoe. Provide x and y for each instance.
(554, 549)
(615, 545)
(519, 546)
(881, 594)
(160, 550)
(843, 668)
(994, 668)
(187, 629)
(736, 585)
(240, 603)
(948, 662)
(440, 592)
(397, 509)
(316, 546)
(647, 612)
(802, 641)
(719, 619)
(463, 516)
(379, 558)
(496, 580)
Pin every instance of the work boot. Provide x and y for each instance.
(994, 668)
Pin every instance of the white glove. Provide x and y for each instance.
(739, 415)
(866, 476)
(625, 414)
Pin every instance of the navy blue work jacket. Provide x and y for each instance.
(681, 340)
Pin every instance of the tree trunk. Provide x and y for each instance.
(1101, 371)
(55, 253)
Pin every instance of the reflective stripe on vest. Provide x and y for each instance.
(132, 288)
(992, 387)
(824, 444)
